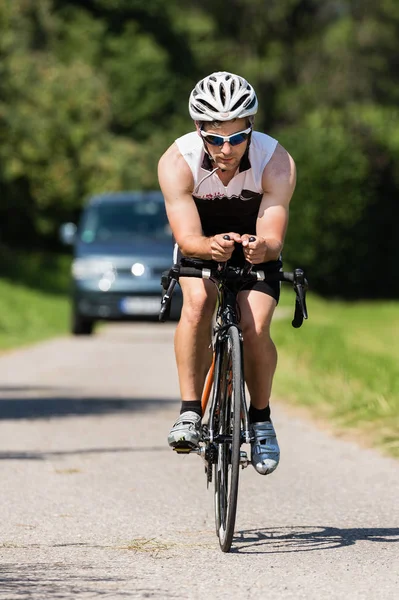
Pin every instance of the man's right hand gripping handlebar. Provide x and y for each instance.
(222, 246)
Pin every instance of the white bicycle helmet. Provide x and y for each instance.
(221, 97)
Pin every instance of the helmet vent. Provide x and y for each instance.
(223, 93)
(203, 104)
(251, 104)
(241, 102)
(212, 90)
(197, 107)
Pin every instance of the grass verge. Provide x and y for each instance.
(28, 315)
(343, 365)
(34, 302)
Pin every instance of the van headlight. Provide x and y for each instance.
(138, 269)
(87, 268)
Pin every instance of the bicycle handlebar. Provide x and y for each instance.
(225, 272)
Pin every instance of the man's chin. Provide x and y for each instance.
(227, 165)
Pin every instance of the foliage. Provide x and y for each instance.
(46, 272)
(344, 212)
(92, 92)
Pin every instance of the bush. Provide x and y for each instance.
(344, 211)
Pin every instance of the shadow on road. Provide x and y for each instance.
(277, 540)
(69, 580)
(23, 455)
(53, 404)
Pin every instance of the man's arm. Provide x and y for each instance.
(176, 182)
(278, 183)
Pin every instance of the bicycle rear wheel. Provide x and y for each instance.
(227, 467)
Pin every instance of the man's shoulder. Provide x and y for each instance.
(172, 157)
(276, 155)
(172, 164)
(183, 148)
(281, 168)
(190, 142)
(262, 140)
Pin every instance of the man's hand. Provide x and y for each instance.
(221, 248)
(254, 251)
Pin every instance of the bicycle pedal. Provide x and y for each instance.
(244, 461)
(183, 450)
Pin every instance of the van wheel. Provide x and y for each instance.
(81, 325)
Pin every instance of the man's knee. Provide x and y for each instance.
(198, 305)
(256, 314)
(255, 330)
(257, 340)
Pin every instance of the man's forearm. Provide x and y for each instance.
(197, 246)
(274, 249)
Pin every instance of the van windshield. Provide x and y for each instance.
(124, 221)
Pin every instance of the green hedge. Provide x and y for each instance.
(345, 211)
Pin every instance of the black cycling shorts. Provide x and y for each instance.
(237, 259)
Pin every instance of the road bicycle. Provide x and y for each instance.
(226, 425)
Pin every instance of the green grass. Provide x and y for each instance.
(34, 302)
(343, 364)
(28, 315)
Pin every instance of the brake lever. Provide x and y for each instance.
(247, 269)
(166, 301)
(300, 287)
(168, 282)
(302, 300)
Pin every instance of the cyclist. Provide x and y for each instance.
(222, 179)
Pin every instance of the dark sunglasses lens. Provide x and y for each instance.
(238, 139)
(214, 140)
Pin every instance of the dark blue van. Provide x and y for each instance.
(122, 245)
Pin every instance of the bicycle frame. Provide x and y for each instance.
(226, 317)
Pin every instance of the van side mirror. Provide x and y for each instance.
(67, 233)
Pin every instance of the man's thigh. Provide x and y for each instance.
(198, 291)
(257, 309)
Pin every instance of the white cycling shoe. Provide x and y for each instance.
(186, 432)
(265, 452)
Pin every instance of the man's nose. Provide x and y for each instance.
(226, 148)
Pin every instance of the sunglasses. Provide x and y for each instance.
(233, 140)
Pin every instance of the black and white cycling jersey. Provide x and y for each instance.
(233, 207)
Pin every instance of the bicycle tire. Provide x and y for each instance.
(227, 467)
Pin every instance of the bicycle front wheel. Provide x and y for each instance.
(227, 468)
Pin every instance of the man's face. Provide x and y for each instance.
(227, 157)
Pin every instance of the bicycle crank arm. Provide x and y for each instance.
(246, 436)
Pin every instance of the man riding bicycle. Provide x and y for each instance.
(226, 180)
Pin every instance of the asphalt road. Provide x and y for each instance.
(95, 505)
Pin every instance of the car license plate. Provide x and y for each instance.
(140, 305)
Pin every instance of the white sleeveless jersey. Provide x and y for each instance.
(233, 207)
